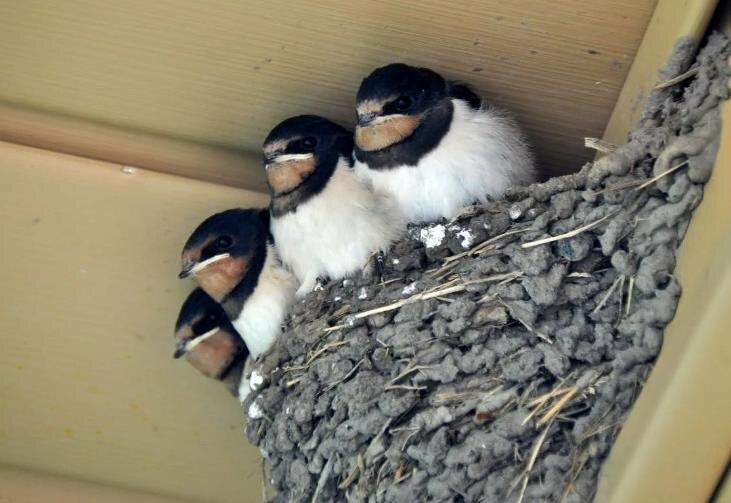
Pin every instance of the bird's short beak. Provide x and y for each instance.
(180, 349)
(192, 267)
(187, 269)
(365, 119)
(276, 161)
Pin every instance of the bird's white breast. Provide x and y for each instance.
(260, 321)
(483, 153)
(334, 232)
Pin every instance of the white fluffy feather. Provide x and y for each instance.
(483, 153)
(245, 386)
(333, 233)
(260, 321)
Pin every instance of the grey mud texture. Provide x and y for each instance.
(486, 369)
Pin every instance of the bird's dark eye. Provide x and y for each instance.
(224, 242)
(309, 143)
(402, 104)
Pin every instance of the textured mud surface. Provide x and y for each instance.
(486, 366)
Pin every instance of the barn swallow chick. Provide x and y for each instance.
(205, 337)
(434, 145)
(232, 257)
(326, 222)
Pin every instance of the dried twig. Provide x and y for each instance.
(324, 475)
(481, 246)
(333, 328)
(407, 372)
(354, 474)
(444, 270)
(664, 173)
(525, 476)
(466, 212)
(315, 355)
(408, 437)
(599, 145)
(621, 300)
(535, 332)
(639, 184)
(557, 390)
(406, 387)
(574, 475)
(345, 378)
(294, 381)
(453, 286)
(630, 289)
(607, 295)
(567, 235)
(556, 407)
(400, 476)
(539, 402)
(403, 428)
(341, 311)
(676, 80)
(619, 186)
(579, 275)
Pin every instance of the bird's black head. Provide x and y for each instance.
(300, 155)
(205, 336)
(398, 89)
(403, 112)
(227, 250)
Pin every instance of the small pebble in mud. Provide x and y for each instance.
(432, 236)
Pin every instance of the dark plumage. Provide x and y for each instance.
(325, 221)
(310, 134)
(232, 257)
(208, 340)
(433, 145)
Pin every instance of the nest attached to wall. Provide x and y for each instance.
(501, 353)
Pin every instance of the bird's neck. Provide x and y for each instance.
(408, 152)
(231, 377)
(310, 187)
(234, 302)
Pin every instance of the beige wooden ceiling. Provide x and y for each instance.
(222, 72)
(88, 387)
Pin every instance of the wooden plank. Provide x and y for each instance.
(671, 20)
(88, 386)
(223, 72)
(677, 440)
(108, 143)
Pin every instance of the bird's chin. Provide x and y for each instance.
(285, 178)
(386, 132)
(279, 194)
(221, 277)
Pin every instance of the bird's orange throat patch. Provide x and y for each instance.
(284, 177)
(220, 277)
(214, 355)
(386, 132)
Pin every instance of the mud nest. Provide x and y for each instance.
(501, 353)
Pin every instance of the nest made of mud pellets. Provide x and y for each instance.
(501, 354)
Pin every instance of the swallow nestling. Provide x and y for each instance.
(205, 336)
(434, 145)
(233, 259)
(326, 222)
